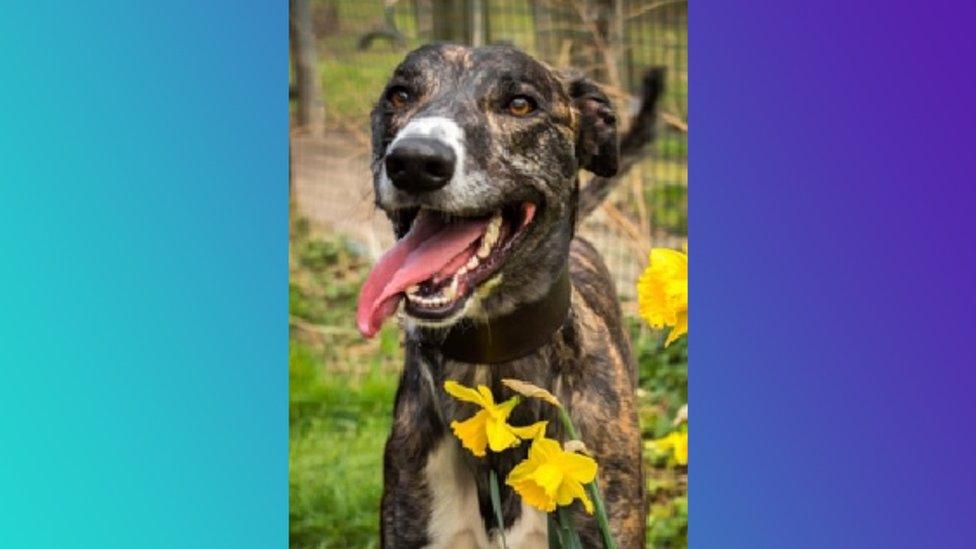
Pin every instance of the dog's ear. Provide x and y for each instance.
(596, 143)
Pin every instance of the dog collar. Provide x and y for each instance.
(514, 335)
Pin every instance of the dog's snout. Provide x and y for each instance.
(420, 164)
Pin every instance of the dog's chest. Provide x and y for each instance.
(455, 517)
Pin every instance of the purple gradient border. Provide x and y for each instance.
(833, 271)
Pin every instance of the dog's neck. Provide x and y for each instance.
(514, 335)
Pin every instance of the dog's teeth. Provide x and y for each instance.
(491, 236)
(471, 264)
(485, 247)
(496, 222)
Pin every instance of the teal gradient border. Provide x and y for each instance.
(143, 311)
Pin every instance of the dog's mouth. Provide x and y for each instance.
(439, 262)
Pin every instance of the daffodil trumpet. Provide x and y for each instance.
(662, 292)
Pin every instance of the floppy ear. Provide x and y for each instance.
(596, 144)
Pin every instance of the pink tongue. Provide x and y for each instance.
(427, 249)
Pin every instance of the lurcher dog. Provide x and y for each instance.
(476, 153)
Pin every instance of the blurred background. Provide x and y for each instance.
(342, 386)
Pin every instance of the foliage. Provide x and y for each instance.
(669, 206)
(663, 390)
(667, 523)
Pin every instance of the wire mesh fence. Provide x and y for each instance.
(356, 44)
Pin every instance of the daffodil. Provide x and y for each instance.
(551, 476)
(662, 292)
(489, 427)
(675, 443)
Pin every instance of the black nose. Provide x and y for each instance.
(420, 164)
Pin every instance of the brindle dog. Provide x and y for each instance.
(482, 148)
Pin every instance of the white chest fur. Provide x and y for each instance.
(455, 520)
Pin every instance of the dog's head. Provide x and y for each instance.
(475, 159)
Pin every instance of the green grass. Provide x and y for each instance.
(351, 89)
(338, 426)
(340, 400)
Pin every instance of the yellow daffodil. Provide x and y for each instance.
(551, 476)
(489, 427)
(662, 292)
(675, 443)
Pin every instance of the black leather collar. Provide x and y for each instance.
(514, 335)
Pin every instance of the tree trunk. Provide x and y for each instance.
(309, 112)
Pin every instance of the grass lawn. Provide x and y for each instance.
(339, 423)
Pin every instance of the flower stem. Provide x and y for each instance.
(570, 536)
(496, 504)
(555, 540)
(592, 488)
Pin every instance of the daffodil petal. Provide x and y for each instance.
(472, 432)
(522, 471)
(528, 432)
(500, 435)
(568, 491)
(680, 448)
(503, 410)
(487, 398)
(578, 467)
(543, 449)
(676, 332)
(466, 394)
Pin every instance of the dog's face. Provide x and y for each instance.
(475, 160)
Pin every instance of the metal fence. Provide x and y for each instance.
(356, 44)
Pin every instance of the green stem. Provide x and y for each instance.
(496, 504)
(570, 535)
(601, 515)
(593, 488)
(555, 541)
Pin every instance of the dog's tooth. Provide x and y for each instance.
(496, 221)
(486, 243)
(472, 263)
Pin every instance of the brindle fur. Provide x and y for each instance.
(587, 363)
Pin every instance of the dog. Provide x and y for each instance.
(476, 159)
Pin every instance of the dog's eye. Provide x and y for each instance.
(521, 105)
(398, 97)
